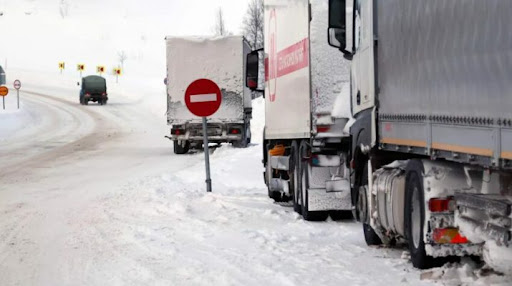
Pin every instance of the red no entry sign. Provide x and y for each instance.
(203, 97)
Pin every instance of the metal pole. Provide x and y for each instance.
(3, 101)
(206, 157)
(18, 94)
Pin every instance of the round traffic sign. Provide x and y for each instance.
(4, 91)
(17, 84)
(203, 97)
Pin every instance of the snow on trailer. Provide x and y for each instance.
(221, 60)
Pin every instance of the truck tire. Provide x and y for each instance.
(86, 101)
(370, 236)
(415, 217)
(304, 184)
(178, 149)
(294, 177)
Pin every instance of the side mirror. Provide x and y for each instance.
(337, 32)
(252, 70)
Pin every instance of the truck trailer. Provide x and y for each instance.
(305, 145)
(431, 148)
(222, 60)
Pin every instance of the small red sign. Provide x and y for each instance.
(203, 97)
(17, 84)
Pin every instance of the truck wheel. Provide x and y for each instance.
(415, 220)
(86, 101)
(304, 185)
(370, 236)
(294, 177)
(178, 149)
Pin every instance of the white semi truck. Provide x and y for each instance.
(431, 94)
(304, 142)
(222, 60)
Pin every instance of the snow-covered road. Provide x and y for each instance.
(92, 195)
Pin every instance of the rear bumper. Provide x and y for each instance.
(484, 217)
(96, 97)
(217, 132)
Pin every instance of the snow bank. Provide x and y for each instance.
(465, 273)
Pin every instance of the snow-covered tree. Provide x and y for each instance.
(253, 24)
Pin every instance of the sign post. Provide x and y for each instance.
(3, 93)
(80, 68)
(203, 98)
(17, 86)
(100, 69)
(118, 72)
(62, 66)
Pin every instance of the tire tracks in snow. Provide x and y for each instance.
(83, 130)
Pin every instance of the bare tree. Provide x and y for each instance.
(220, 27)
(64, 8)
(253, 24)
(122, 57)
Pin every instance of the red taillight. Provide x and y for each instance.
(322, 129)
(234, 131)
(103, 94)
(177, 131)
(88, 94)
(441, 205)
(252, 84)
(448, 235)
(352, 164)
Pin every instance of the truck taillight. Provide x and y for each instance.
(104, 94)
(448, 235)
(234, 131)
(441, 205)
(252, 84)
(323, 129)
(177, 131)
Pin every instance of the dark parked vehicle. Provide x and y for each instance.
(2, 76)
(94, 88)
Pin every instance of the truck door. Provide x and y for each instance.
(363, 77)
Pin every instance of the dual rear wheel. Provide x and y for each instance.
(300, 184)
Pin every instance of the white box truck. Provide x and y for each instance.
(305, 144)
(432, 141)
(222, 60)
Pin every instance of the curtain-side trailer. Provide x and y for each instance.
(432, 142)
